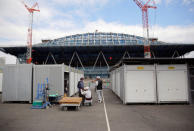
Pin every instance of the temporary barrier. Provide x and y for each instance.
(17, 83)
(172, 83)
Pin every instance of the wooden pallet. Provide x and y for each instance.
(70, 102)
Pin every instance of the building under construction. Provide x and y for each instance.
(95, 53)
(139, 71)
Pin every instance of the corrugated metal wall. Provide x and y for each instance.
(55, 75)
(17, 83)
(20, 82)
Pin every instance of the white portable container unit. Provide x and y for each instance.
(59, 78)
(71, 83)
(75, 81)
(139, 84)
(2, 64)
(74, 77)
(122, 83)
(55, 75)
(172, 83)
(116, 83)
(17, 83)
(113, 80)
(78, 78)
(117, 75)
(135, 83)
(1, 80)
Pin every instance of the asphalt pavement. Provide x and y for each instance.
(20, 117)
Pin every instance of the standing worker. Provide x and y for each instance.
(80, 87)
(99, 88)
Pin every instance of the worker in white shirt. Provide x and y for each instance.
(87, 93)
(99, 88)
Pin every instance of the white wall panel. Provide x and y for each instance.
(140, 87)
(71, 84)
(1, 80)
(172, 83)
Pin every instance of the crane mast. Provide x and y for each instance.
(29, 37)
(144, 8)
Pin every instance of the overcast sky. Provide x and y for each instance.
(172, 21)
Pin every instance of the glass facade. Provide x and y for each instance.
(97, 38)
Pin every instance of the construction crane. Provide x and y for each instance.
(29, 37)
(144, 8)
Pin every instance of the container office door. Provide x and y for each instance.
(140, 84)
(66, 83)
(172, 83)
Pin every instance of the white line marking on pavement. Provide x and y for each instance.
(107, 121)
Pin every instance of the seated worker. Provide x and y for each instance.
(88, 95)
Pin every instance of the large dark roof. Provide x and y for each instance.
(89, 45)
(148, 61)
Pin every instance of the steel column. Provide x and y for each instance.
(103, 58)
(75, 53)
(52, 58)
